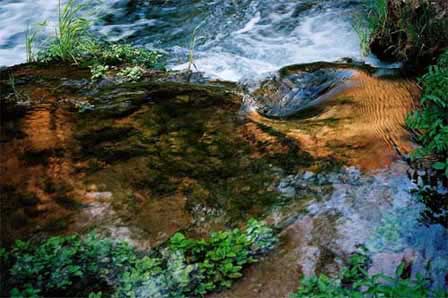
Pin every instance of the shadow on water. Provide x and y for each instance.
(163, 155)
(150, 152)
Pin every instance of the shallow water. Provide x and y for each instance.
(233, 39)
(156, 157)
(352, 114)
(148, 168)
(378, 211)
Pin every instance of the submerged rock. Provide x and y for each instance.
(98, 195)
(353, 113)
(285, 96)
(154, 157)
(321, 229)
(154, 149)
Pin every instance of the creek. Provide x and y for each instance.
(306, 132)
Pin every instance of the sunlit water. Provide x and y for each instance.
(233, 39)
(240, 39)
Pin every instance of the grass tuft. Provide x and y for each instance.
(411, 31)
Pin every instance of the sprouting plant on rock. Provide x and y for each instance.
(131, 73)
(98, 71)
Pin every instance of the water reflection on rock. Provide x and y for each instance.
(163, 155)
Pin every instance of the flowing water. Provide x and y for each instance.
(155, 158)
(233, 39)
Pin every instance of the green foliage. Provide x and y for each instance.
(405, 29)
(354, 282)
(363, 34)
(430, 121)
(98, 71)
(131, 73)
(260, 236)
(72, 43)
(28, 292)
(71, 35)
(113, 54)
(30, 36)
(103, 56)
(15, 96)
(377, 15)
(95, 295)
(106, 55)
(374, 21)
(168, 276)
(63, 264)
(221, 258)
(443, 60)
(80, 266)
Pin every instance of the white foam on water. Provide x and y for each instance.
(265, 37)
(15, 16)
(323, 37)
(18, 15)
(250, 25)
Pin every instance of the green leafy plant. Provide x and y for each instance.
(354, 282)
(443, 60)
(261, 237)
(430, 121)
(131, 73)
(54, 265)
(378, 14)
(27, 292)
(221, 258)
(86, 266)
(167, 276)
(98, 71)
(73, 43)
(113, 54)
(363, 34)
(71, 38)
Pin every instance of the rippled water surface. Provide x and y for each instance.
(233, 39)
(186, 161)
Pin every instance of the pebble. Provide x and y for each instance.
(308, 175)
(286, 190)
(98, 195)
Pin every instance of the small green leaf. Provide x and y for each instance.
(439, 165)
